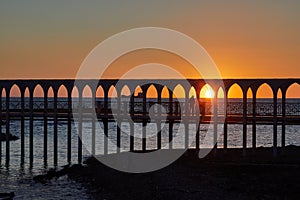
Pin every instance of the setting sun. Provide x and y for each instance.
(209, 93)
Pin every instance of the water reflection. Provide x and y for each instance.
(18, 177)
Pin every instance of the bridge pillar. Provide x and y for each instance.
(7, 125)
(275, 123)
(45, 125)
(171, 113)
(254, 120)
(225, 119)
(22, 90)
(105, 120)
(244, 121)
(144, 120)
(80, 111)
(283, 118)
(31, 91)
(119, 124)
(170, 101)
(198, 116)
(158, 122)
(186, 131)
(69, 137)
(131, 135)
(215, 116)
(1, 89)
(55, 146)
(94, 120)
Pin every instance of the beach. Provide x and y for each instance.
(226, 175)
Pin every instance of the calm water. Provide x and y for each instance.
(19, 179)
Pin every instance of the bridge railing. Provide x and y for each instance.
(233, 108)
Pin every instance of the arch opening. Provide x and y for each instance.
(179, 100)
(206, 99)
(62, 95)
(138, 100)
(292, 132)
(38, 98)
(152, 98)
(15, 98)
(112, 96)
(235, 107)
(125, 99)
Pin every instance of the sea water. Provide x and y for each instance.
(17, 178)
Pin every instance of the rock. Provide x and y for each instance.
(54, 173)
(7, 195)
(11, 137)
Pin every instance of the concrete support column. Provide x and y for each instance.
(105, 121)
(159, 114)
(283, 118)
(69, 137)
(225, 119)
(254, 121)
(45, 126)
(93, 150)
(31, 90)
(80, 112)
(1, 89)
(244, 121)
(215, 119)
(55, 131)
(275, 123)
(7, 125)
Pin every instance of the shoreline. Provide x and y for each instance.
(227, 175)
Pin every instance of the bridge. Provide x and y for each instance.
(216, 110)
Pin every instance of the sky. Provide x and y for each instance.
(246, 39)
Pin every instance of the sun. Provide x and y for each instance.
(209, 93)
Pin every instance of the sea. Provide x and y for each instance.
(19, 178)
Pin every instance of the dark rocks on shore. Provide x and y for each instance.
(225, 176)
(7, 196)
(53, 173)
(11, 137)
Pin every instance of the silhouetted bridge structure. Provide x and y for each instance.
(216, 110)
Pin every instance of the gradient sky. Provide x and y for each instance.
(246, 39)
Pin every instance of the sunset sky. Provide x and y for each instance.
(246, 39)
(50, 39)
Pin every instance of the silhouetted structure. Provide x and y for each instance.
(249, 114)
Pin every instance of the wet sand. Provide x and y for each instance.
(226, 175)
